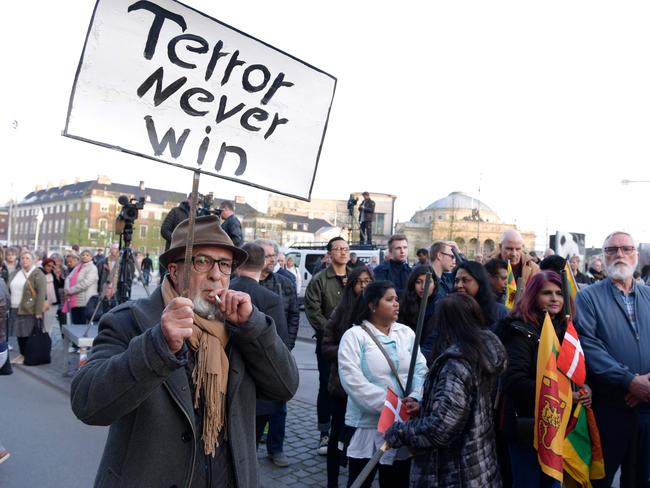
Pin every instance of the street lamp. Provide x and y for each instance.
(627, 182)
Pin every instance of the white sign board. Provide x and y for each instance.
(163, 81)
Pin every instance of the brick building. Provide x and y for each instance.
(84, 213)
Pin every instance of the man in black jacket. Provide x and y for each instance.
(366, 216)
(230, 223)
(271, 304)
(397, 269)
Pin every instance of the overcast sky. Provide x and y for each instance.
(543, 105)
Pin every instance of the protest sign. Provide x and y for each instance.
(161, 80)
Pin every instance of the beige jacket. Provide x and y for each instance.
(86, 285)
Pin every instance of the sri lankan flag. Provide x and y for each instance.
(552, 404)
(573, 287)
(583, 454)
(511, 290)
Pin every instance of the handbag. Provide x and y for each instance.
(390, 361)
(39, 345)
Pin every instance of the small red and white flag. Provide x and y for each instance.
(394, 411)
(571, 360)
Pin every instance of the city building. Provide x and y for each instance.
(4, 226)
(84, 213)
(336, 213)
(459, 217)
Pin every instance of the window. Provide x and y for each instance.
(103, 224)
(103, 207)
(143, 232)
(56, 226)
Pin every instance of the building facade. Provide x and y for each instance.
(336, 213)
(84, 213)
(474, 226)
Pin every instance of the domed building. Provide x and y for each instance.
(459, 217)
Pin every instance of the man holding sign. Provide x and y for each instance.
(177, 378)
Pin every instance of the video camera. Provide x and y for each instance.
(352, 202)
(204, 205)
(124, 223)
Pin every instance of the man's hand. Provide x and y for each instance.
(236, 306)
(639, 390)
(176, 322)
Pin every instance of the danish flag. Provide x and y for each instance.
(571, 360)
(394, 411)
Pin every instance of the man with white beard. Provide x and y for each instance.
(613, 320)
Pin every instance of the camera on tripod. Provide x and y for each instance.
(204, 205)
(352, 202)
(130, 209)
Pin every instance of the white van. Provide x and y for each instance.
(307, 259)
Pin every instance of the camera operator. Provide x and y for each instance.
(352, 202)
(230, 223)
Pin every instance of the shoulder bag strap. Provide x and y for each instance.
(390, 361)
(31, 288)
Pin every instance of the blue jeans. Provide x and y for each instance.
(526, 472)
(275, 437)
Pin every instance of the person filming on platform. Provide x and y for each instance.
(177, 378)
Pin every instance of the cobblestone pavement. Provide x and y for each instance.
(307, 467)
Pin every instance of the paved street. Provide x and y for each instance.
(50, 447)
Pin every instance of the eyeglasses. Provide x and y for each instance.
(613, 250)
(448, 254)
(340, 249)
(205, 264)
(364, 282)
(270, 256)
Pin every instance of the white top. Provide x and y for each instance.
(365, 442)
(17, 286)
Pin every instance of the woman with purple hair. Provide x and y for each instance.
(520, 334)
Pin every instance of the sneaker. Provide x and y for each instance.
(280, 459)
(322, 445)
(4, 455)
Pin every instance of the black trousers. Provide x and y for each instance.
(390, 476)
(365, 233)
(625, 437)
(334, 455)
(323, 402)
(22, 345)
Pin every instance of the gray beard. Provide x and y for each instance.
(620, 271)
(207, 310)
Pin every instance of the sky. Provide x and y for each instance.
(542, 107)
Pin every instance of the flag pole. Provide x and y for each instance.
(566, 294)
(190, 236)
(367, 469)
(418, 332)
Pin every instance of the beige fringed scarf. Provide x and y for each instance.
(210, 375)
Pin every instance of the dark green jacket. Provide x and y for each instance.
(30, 304)
(322, 296)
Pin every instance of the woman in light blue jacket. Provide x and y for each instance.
(365, 376)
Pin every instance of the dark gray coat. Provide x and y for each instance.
(135, 385)
(453, 439)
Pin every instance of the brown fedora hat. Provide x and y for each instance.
(207, 232)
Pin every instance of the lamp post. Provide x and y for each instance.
(627, 182)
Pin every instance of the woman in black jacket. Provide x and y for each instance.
(471, 277)
(343, 317)
(520, 334)
(409, 305)
(453, 436)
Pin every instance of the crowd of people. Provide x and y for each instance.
(212, 356)
(472, 401)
